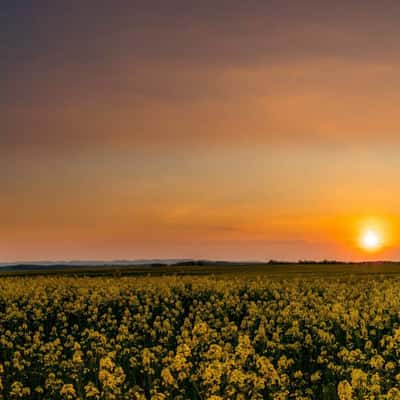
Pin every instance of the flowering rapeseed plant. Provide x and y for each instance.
(199, 338)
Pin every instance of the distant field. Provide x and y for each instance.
(292, 269)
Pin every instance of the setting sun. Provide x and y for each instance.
(371, 240)
(374, 234)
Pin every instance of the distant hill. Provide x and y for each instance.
(32, 265)
(93, 264)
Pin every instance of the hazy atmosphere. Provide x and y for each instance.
(214, 129)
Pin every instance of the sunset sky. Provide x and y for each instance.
(244, 130)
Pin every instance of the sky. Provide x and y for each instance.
(217, 129)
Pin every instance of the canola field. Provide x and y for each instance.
(192, 337)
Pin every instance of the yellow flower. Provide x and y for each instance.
(68, 391)
(91, 391)
(345, 391)
(168, 377)
(315, 377)
(393, 394)
(358, 378)
(377, 362)
(267, 370)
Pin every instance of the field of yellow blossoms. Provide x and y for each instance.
(171, 337)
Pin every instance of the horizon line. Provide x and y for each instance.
(178, 260)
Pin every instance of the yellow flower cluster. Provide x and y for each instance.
(236, 337)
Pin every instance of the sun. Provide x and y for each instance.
(371, 240)
(374, 234)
